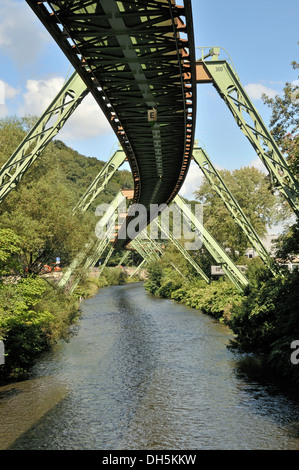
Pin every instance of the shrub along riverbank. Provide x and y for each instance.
(34, 315)
(263, 320)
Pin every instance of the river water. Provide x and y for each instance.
(141, 372)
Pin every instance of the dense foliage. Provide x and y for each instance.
(250, 187)
(45, 223)
(36, 226)
(265, 318)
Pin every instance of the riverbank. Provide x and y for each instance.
(263, 319)
(141, 372)
(34, 315)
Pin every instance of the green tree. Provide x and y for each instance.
(250, 188)
(9, 251)
(284, 125)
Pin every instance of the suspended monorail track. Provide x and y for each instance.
(137, 58)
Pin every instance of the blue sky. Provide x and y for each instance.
(260, 36)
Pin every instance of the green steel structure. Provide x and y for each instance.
(101, 181)
(154, 248)
(43, 131)
(136, 271)
(95, 247)
(137, 59)
(217, 183)
(99, 184)
(227, 83)
(220, 256)
(179, 246)
(132, 58)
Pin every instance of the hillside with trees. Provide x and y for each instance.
(37, 224)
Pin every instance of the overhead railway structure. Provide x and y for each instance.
(137, 59)
(141, 71)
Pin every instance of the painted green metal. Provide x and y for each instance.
(44, 130)
(77, 261)
(220, 256)
(104, 264)
(101, 181)
(123, 259)
(184, 252)
(155, 247)
(143, 262)
(94, 248)
(217, 183)
(229, 87)
(144, 249)
(90, 261)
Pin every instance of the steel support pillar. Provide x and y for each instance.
(184, 252)
(94, 249)
(123, 259)
(138, 268)
(217, 183)
(155, 247)
(220, 256)
(109, 254)
(222, 75)
(90, 261)
(53, 119)
(101, 180)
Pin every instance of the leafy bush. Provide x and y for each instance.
(267, 322)
(154, 272)
(32, 316)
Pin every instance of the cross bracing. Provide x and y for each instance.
(132, 57)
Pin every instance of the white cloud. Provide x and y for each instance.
(257, 163)
(192, 182)
(7, 92)
(256, 90)
(21, 34)
(87, 121)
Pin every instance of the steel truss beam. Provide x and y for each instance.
(220, 256)
(109, 254)
(222, 75)
(99, 184)
(154, 248)
(96, 252)
(138, 268)
(217, 183)
(53, 119)
(178, 245)
(135, 50)
(123, 259)
(101, 180)
(94, 248)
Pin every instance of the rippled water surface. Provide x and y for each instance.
(145, 373)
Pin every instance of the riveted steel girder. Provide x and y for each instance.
(133, 59)
(231, 90)
(217, 183)
(101, 180)
(53, 119)
(220, 256)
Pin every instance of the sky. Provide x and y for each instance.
(260, 36)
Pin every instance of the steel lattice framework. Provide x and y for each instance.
(132, 57)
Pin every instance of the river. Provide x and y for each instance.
(140, 373)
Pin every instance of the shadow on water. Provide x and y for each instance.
(146, 373)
